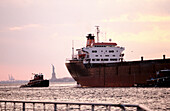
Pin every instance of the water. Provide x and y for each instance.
(153, 98)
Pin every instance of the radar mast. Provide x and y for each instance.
(98, 31)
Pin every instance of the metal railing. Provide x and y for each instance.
(6, 105)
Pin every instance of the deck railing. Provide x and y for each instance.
(6, 105)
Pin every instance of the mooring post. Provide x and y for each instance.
(23, 106)
(55, 107)
(142, 58)
(163, 57)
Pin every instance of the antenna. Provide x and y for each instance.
(98, 31)
(9, 77)
(72, 49)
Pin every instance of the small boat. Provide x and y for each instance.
(38, 81)
(162, 79)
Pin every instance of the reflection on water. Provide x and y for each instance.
(153, 98)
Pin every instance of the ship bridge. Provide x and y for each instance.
(100, 52)
(104, 44)
(103, 53)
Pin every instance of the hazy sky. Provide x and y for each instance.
(37, 33)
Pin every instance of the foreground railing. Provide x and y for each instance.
(6, 105)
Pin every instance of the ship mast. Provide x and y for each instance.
(72, 49)
(98, 31)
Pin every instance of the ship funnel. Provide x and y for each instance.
(90, 40)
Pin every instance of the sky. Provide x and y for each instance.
(37, 33)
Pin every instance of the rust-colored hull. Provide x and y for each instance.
(123, 74)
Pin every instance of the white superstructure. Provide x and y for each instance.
(103, 53)
(100, 52)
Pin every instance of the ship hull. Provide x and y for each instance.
(39, 83)
(122, 74)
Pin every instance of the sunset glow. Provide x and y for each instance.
(36, 34)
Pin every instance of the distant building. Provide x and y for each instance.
(11, 78)
(53, 78)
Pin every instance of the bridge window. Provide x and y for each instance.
(97, 59)
(105, 59)
(111, 51)
(94, 51)
(113, 59)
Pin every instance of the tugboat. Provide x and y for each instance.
(38, 81)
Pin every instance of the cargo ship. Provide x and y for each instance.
(101, 64)
(38, 81)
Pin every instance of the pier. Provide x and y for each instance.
(6, 105)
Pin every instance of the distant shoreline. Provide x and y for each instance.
(65, 79)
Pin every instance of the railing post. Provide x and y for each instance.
(5, 106)
(55, 107)
(44, 106)
(67, 107)
(33, 106)
(107, 108)
(139, 109)
(122, 107)
(23, 106)
(79, 107)
(92, 108)
(14, 106)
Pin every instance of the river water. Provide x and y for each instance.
(156, 99)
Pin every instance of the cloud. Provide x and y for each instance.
(138, 18)
(45, 26)
(16, 28)
(146, 36)
(152, 18)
